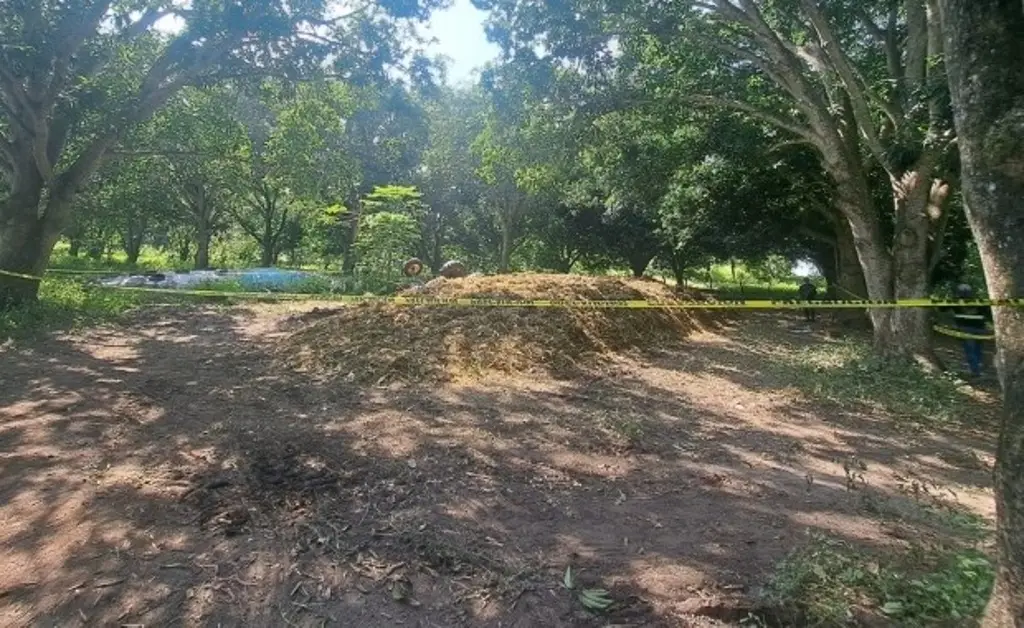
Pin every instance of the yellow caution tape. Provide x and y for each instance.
(20, 275)
(956, 333)
(729, 304)
(91, 271)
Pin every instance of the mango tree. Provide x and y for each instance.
(860, 82)
(76, 76)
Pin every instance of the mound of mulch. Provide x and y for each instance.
(379, 343)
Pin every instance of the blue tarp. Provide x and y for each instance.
(272, 278)
(254, 279)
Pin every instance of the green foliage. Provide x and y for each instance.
(772, 269)
(822, 583)
(848, 373)
(395, 199)
(150, 258)
(386, 240)
(594, 600)
(602, 163)
(66, 303)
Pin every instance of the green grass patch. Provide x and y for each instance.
(847, 372)
(66, 304)
(149, 259)
(828, 582)
(216, 285)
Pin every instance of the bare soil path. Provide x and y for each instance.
(168, 472)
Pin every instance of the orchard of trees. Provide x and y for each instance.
(628, 135)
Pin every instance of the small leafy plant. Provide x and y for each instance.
(595, 600)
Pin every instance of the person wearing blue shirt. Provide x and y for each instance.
(973, 320)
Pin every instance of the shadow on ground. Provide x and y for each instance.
(167, 473)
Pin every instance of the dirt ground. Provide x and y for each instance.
(167, 472)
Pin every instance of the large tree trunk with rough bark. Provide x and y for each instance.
(855, 125)
(638, 263)
(267, 254)
(132, 240)
(896, 269)
(23, 251)
(911, 260)
(505, 252)
(203, 236)
(27, 238)
(854, 202)
(985, 60)
(201, 206)
(849, 277)
(348, 262)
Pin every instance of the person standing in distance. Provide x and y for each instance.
(972, 319)
(808, 292)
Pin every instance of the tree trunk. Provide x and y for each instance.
(436, 261)
(132, 241)
(21, 251)
(505, 256)
(825, 257)
(679, 273)
(848, 275)
(203, 212)
(74, 246)
(984, 52)
(348, 261)
(901, 273)
(26, 243)
(203, 236)
(266, 254)
(132, 254)
(638, 264)
(911, 268)
(564, 262)
(268, 243)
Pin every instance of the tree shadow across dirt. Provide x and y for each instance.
(164, 473)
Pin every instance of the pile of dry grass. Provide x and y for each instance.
(378, 343)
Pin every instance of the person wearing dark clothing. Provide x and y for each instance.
(808, 292)
(972, 319)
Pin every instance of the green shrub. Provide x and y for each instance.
(821, 584)
(67, 303)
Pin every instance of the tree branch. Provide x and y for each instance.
(917, 42)
(16, 100)
(790, 66)
(814, 234)
(282, 224)
(246, 226)
(157, 152)
(936, 50)
(827, 213)
(70, 36)
(144, 23)
(23, 113)
(887, 38)
(770, 68)
(68, 182)
(858, 99)
(792, 127)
